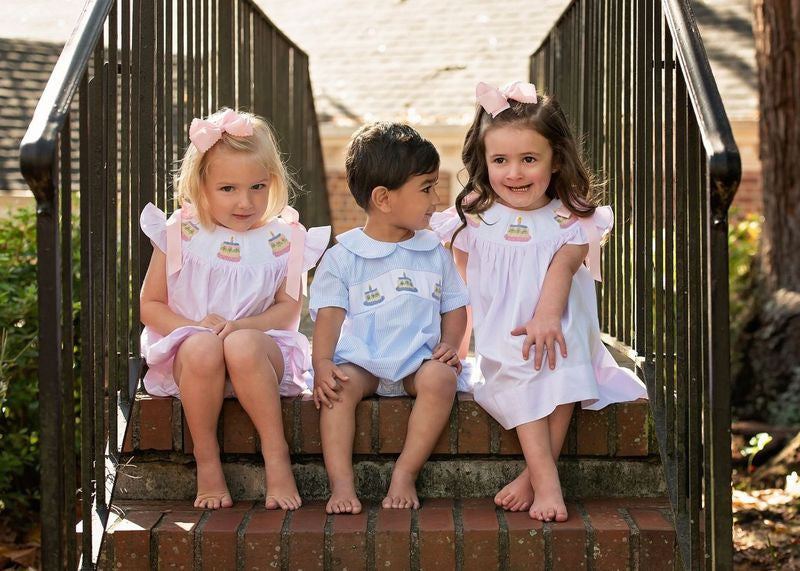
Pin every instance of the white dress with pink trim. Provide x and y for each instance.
(234, 275)
(509, 254)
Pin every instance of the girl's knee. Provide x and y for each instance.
(201, 352)
(247, 348)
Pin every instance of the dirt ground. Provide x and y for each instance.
(766, 529)
(766, 526)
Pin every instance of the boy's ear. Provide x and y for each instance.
(380, 199)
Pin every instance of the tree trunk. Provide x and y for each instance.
(777, 34)
(768, 386)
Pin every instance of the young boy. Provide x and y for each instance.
(390, 313)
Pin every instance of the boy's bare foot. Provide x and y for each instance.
(212, 491)
(549, 505)
(517, 495)
(343, 500)
(402, 492)
(281, 488)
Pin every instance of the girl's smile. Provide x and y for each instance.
(520, 165)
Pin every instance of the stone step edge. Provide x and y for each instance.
(165, 479)
(619, 430)
(448, 534)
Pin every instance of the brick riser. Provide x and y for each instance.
(468, 534)
(618, 431)
(606, 453)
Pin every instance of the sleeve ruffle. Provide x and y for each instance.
(317, 241)
(602, 221)
(445, 224)
(153, 222)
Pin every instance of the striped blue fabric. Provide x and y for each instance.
(394, 295)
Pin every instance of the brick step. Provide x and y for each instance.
(622, 533)
(618, 431)
(606, 453)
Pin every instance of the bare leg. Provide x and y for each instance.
(434, 385)
(518, 494)
(255, 380)
(199, 370)
(548, 505)
(338, 429)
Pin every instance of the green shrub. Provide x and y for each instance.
(743, 241)
(19, 390)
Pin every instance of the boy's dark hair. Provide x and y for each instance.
(386, 154)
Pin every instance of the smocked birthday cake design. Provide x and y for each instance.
(404, 283)
(188, 230)
(437, 290)
(518, 232)
(279, 244)
(564, 218)
(230, 251)
(372, 296)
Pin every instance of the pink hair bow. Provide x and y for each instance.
(297, 239)
(494, 100)
(203, 133)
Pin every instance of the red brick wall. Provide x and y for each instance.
(748, 198)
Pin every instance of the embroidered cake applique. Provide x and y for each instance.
(372, 296)
(230, 251)
(279, 244)
(518, 232)
(404, 283)
(437, 290)
(188, 230)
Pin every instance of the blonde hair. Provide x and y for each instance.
(191, 172)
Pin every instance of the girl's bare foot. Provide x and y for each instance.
(402, 492)
(281, 488)
(212, 491)
(549, 504)
(516, 496)
(343, 499)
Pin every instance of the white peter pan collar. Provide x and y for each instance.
(359, 243)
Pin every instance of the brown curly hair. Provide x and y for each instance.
(572, 182)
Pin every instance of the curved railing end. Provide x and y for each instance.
(37, 162)
(725, 173)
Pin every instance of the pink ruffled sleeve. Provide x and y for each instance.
(317, 241)
(591, 230)
(445, 224)
(153, 222)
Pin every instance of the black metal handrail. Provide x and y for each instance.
(128, 82)
(634, 77)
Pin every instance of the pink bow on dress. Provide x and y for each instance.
(297, 239)
(494, 100)
(174, 256)
(203, 133)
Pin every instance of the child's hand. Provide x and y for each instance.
(226, 328)
(327, 377)
(446, 354)
(212, 320)
(543, 332)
